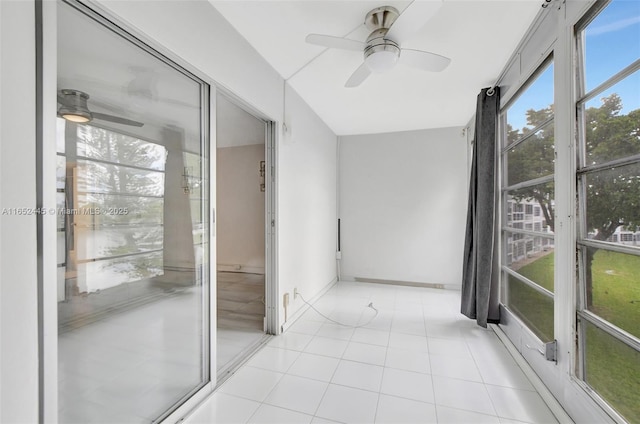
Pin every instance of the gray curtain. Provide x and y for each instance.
(480, 269)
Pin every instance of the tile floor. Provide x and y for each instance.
(417, 361)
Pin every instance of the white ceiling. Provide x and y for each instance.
(478, 35)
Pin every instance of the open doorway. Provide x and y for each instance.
(241, 189)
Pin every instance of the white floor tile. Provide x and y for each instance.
(251, 383)
(291, 341)
(224, 408)
(274, 359)
(381, 322)
(268, 414)
(448, 347)
(351, 315)
(297, 393)
(395, 410)
(358, 375)
(312, 315)
(318, 420)
(461, 394)
(504, 374)
(348, 405)
(335, 331)
(449, 329)
(407, 384)
(455, 367)
(316, 367)
(521, 405)
(487, 348)
(327, 347)
(408, 341)
(366, 353)
(369, 336)
(408, 360)
(448, 415)
(306, 327)
(409, 326)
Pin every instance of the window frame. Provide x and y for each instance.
(584, 317)
(509, 209)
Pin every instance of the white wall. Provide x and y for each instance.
(241, 208)
(18, 279)
(403, 206)
(307, 203)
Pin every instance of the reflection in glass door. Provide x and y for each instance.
(133, 234)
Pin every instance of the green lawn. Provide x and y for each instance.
(534, 308)
(540, 271)
(616, 289)
(612, 368)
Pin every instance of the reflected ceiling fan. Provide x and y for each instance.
(73, 107)
(389, 29)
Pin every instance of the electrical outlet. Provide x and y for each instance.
(295, 293)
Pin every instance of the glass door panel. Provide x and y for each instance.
(133, 235)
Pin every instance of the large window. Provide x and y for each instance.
(609, 204)
(528, 204)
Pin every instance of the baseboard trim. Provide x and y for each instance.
(401, 283)
(298, 313)
(240, 268)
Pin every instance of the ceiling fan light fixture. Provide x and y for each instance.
(381, 59)
(75, 108)
(74, 116)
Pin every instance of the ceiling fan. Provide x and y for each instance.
(382, 49)
(73, 107)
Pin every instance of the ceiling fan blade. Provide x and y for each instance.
(424, 60)
(414, 17)
(116, 119)
(358, 77)
(335, 42)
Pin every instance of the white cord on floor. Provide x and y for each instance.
(370, 305)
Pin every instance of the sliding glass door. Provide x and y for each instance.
(133, 226)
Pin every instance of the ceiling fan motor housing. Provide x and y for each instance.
(75, 106)
(380, 53)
